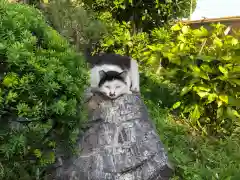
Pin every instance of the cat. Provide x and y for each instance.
(113, 84)
(117, 63)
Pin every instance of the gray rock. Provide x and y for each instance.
(120, 144)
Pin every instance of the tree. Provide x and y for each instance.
(76, 23)
(145, 15)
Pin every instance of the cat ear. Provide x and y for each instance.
(102, 74)
(123, 74)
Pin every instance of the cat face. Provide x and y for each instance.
(112, 84)
(114, 88)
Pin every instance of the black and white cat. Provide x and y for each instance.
(104, 65)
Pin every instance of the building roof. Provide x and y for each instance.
(213, 20)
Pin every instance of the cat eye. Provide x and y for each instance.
(107, 87)
(118, 87)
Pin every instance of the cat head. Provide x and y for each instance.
(113, 84)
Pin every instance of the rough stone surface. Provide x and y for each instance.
(120, 144)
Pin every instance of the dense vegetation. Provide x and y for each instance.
(42, 81)
(189, 81)
(144, 15)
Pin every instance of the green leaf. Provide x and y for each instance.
(211, 98)
(2, 46)
(232, 113)
(234, 41)
(59, 107)
(205, 58)
(224, 98)
(223, 70)
(152, 60)
(176, 27)
(220, 112)
(52, 144)
(153, 47)
(181, 38)
(185, 90)
(176, 105)
(236, 113)
(235, 81)
(195, 115)
(197, 72)
(206, 68)
(202, 94)
(143, 18)
(185, 29)
(201, 88)
(11, 97)
(23, 109)
(232, 101)
(217, 42)
(11, 80)
(38, 153)
(219, 103)
(202, 32)
(226, 58)
(182, 45)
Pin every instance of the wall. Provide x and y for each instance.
(234, 22)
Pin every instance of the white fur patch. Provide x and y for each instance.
(114, 89)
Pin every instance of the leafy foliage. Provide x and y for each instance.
(78, 25)
(205, 66)
(144, 15)
(42, 81)
(196, 72)
(119, 39)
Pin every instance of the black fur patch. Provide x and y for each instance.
(124, 62)
(110, 76)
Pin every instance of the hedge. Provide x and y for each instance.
(42, 83)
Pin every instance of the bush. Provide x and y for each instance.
(42, 82)
(78, 24)
(204, 66)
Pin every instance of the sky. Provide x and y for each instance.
(216, 9)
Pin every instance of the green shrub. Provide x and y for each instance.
(119, 40)
(42, 82)
(204, 66)
(144, 15)
(78, 24)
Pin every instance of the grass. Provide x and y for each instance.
(193, 156)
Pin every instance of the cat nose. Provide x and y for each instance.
(111, 94)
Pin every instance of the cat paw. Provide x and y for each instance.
(129, 92)
(135, 89)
